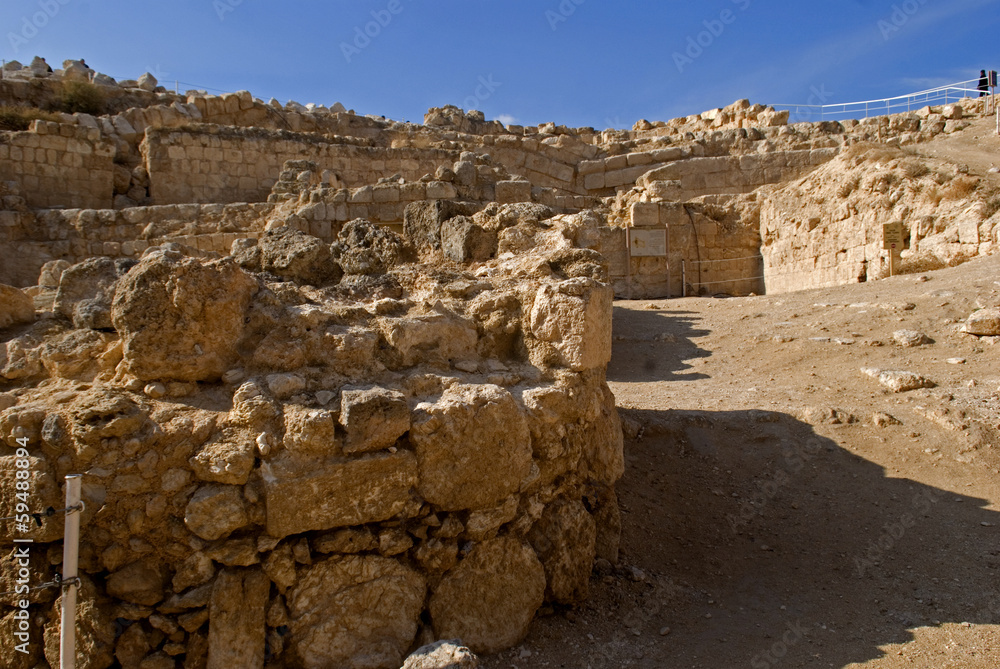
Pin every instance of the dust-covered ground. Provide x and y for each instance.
(782, 509)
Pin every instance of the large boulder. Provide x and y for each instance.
(181, 318)
(473, 447)
(489, 599)
(16, 307)
(358, 611)
(215, 511)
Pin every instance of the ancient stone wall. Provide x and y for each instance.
(59, 165)
(215, 164)
(313, 455)
(828, 231)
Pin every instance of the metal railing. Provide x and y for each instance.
(894, 105)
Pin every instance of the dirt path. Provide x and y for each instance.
(769, 521)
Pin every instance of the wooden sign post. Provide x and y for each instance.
(892, 241)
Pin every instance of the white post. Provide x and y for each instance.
(71, 553)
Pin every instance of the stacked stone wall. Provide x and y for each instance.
(59, 165)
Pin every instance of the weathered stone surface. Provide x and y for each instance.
(196, 569)
(365, 248)
(489, 599)
(181, 318)
(442, 655)
(140, 582)
(473, 446)
(462, 240)
(15, 307)
(311, 431)
(422, 221)
(215, 511)
(436, 339)
(357, 611)
(564, 539)
(95, 629)
(898, 381)
(43, 492)
(306, 494)
(910, 338)
(985, 322)
(236, 619)
(574, 318)
(226, 459)
(291, 254)
(373, 418)
(86, 291)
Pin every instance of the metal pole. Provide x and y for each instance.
(684, 284)
(628, 265)
(71, 553)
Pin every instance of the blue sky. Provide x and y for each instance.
(599, 63)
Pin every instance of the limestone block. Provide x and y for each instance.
(490, 598)
(16, 307)
(473, 447)
(574, 317)
(594, 181)
(513, 191)
(305, 494)
(985, 322)
(215, 511)
(373, 418)
(237, 612)
(441, 190)
(590, 167)
(615, 163)
(462, 240)
(645, 215)
(354, 611)
(639, 158)
(564, 539)
(180, 318)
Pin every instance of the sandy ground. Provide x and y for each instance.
(774, 514)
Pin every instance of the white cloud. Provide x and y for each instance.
(506, 119)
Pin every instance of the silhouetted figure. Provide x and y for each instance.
(984, 83)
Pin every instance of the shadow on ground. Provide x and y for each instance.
(639, 354)
(762, 544)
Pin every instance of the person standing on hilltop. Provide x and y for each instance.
(984, 83)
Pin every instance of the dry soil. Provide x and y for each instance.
(781, 508)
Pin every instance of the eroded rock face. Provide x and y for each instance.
(293, 255)
(473, 446)
(358, 611)
(364, 248)
(15, 307)
(180, 318)
(489, 599)
(237, 612)
(86, 291)
(564, 539)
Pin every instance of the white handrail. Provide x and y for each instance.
(957, 89)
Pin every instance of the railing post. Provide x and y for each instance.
(71, 552)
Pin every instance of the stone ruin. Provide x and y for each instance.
(336, 384)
